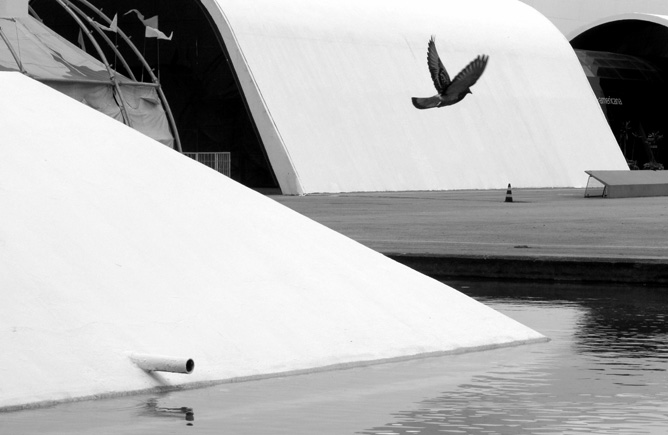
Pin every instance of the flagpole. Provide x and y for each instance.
(115, 51)
(112, 74)
(144, 55)
(157, 48)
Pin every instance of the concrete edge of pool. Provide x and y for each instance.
(301, 372)
(539, 268)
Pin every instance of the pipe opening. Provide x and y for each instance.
(160, 363)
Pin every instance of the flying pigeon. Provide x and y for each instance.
(449, 92)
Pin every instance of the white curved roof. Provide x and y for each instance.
(329, 85)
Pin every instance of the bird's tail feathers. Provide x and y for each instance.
(425, 103)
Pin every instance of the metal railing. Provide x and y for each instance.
(220, 162)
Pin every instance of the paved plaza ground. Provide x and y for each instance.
(553, 234)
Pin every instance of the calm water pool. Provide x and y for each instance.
(604, 372)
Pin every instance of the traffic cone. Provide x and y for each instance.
(509, 194)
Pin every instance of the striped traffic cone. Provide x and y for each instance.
(509, 194)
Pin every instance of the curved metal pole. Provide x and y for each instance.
(104, 36)
(112, 76)
(170, 118)
(147, 67)
(97, 82)
(16, 57)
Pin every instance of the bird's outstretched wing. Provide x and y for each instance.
(468, 76)
(438, 73)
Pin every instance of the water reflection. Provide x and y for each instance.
(603, 373)
(154, 409)
(617, 321)
(624, 325)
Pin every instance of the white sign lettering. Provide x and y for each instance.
(609, 100)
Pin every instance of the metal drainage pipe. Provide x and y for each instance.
(159, 363)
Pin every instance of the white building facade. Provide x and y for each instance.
(622, 48)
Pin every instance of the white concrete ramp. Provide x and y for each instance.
(330, 85)
(112, 244)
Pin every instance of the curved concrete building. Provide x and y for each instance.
(316, 96)
(329, 86)
(622, 49)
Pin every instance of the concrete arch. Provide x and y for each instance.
(329, 87)
(572, 15)
(638, 34)
(637, 47)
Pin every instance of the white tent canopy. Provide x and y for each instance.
(35, 50)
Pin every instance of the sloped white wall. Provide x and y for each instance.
(329, 85)
(112, 244)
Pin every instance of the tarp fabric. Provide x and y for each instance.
(47, 57)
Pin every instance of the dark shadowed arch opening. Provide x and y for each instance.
(196, 75)
(626, 62)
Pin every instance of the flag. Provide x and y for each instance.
(155, 33)
(80, 40)
(113, 27)
(139, 14)
(150, 22)
(151, 26)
